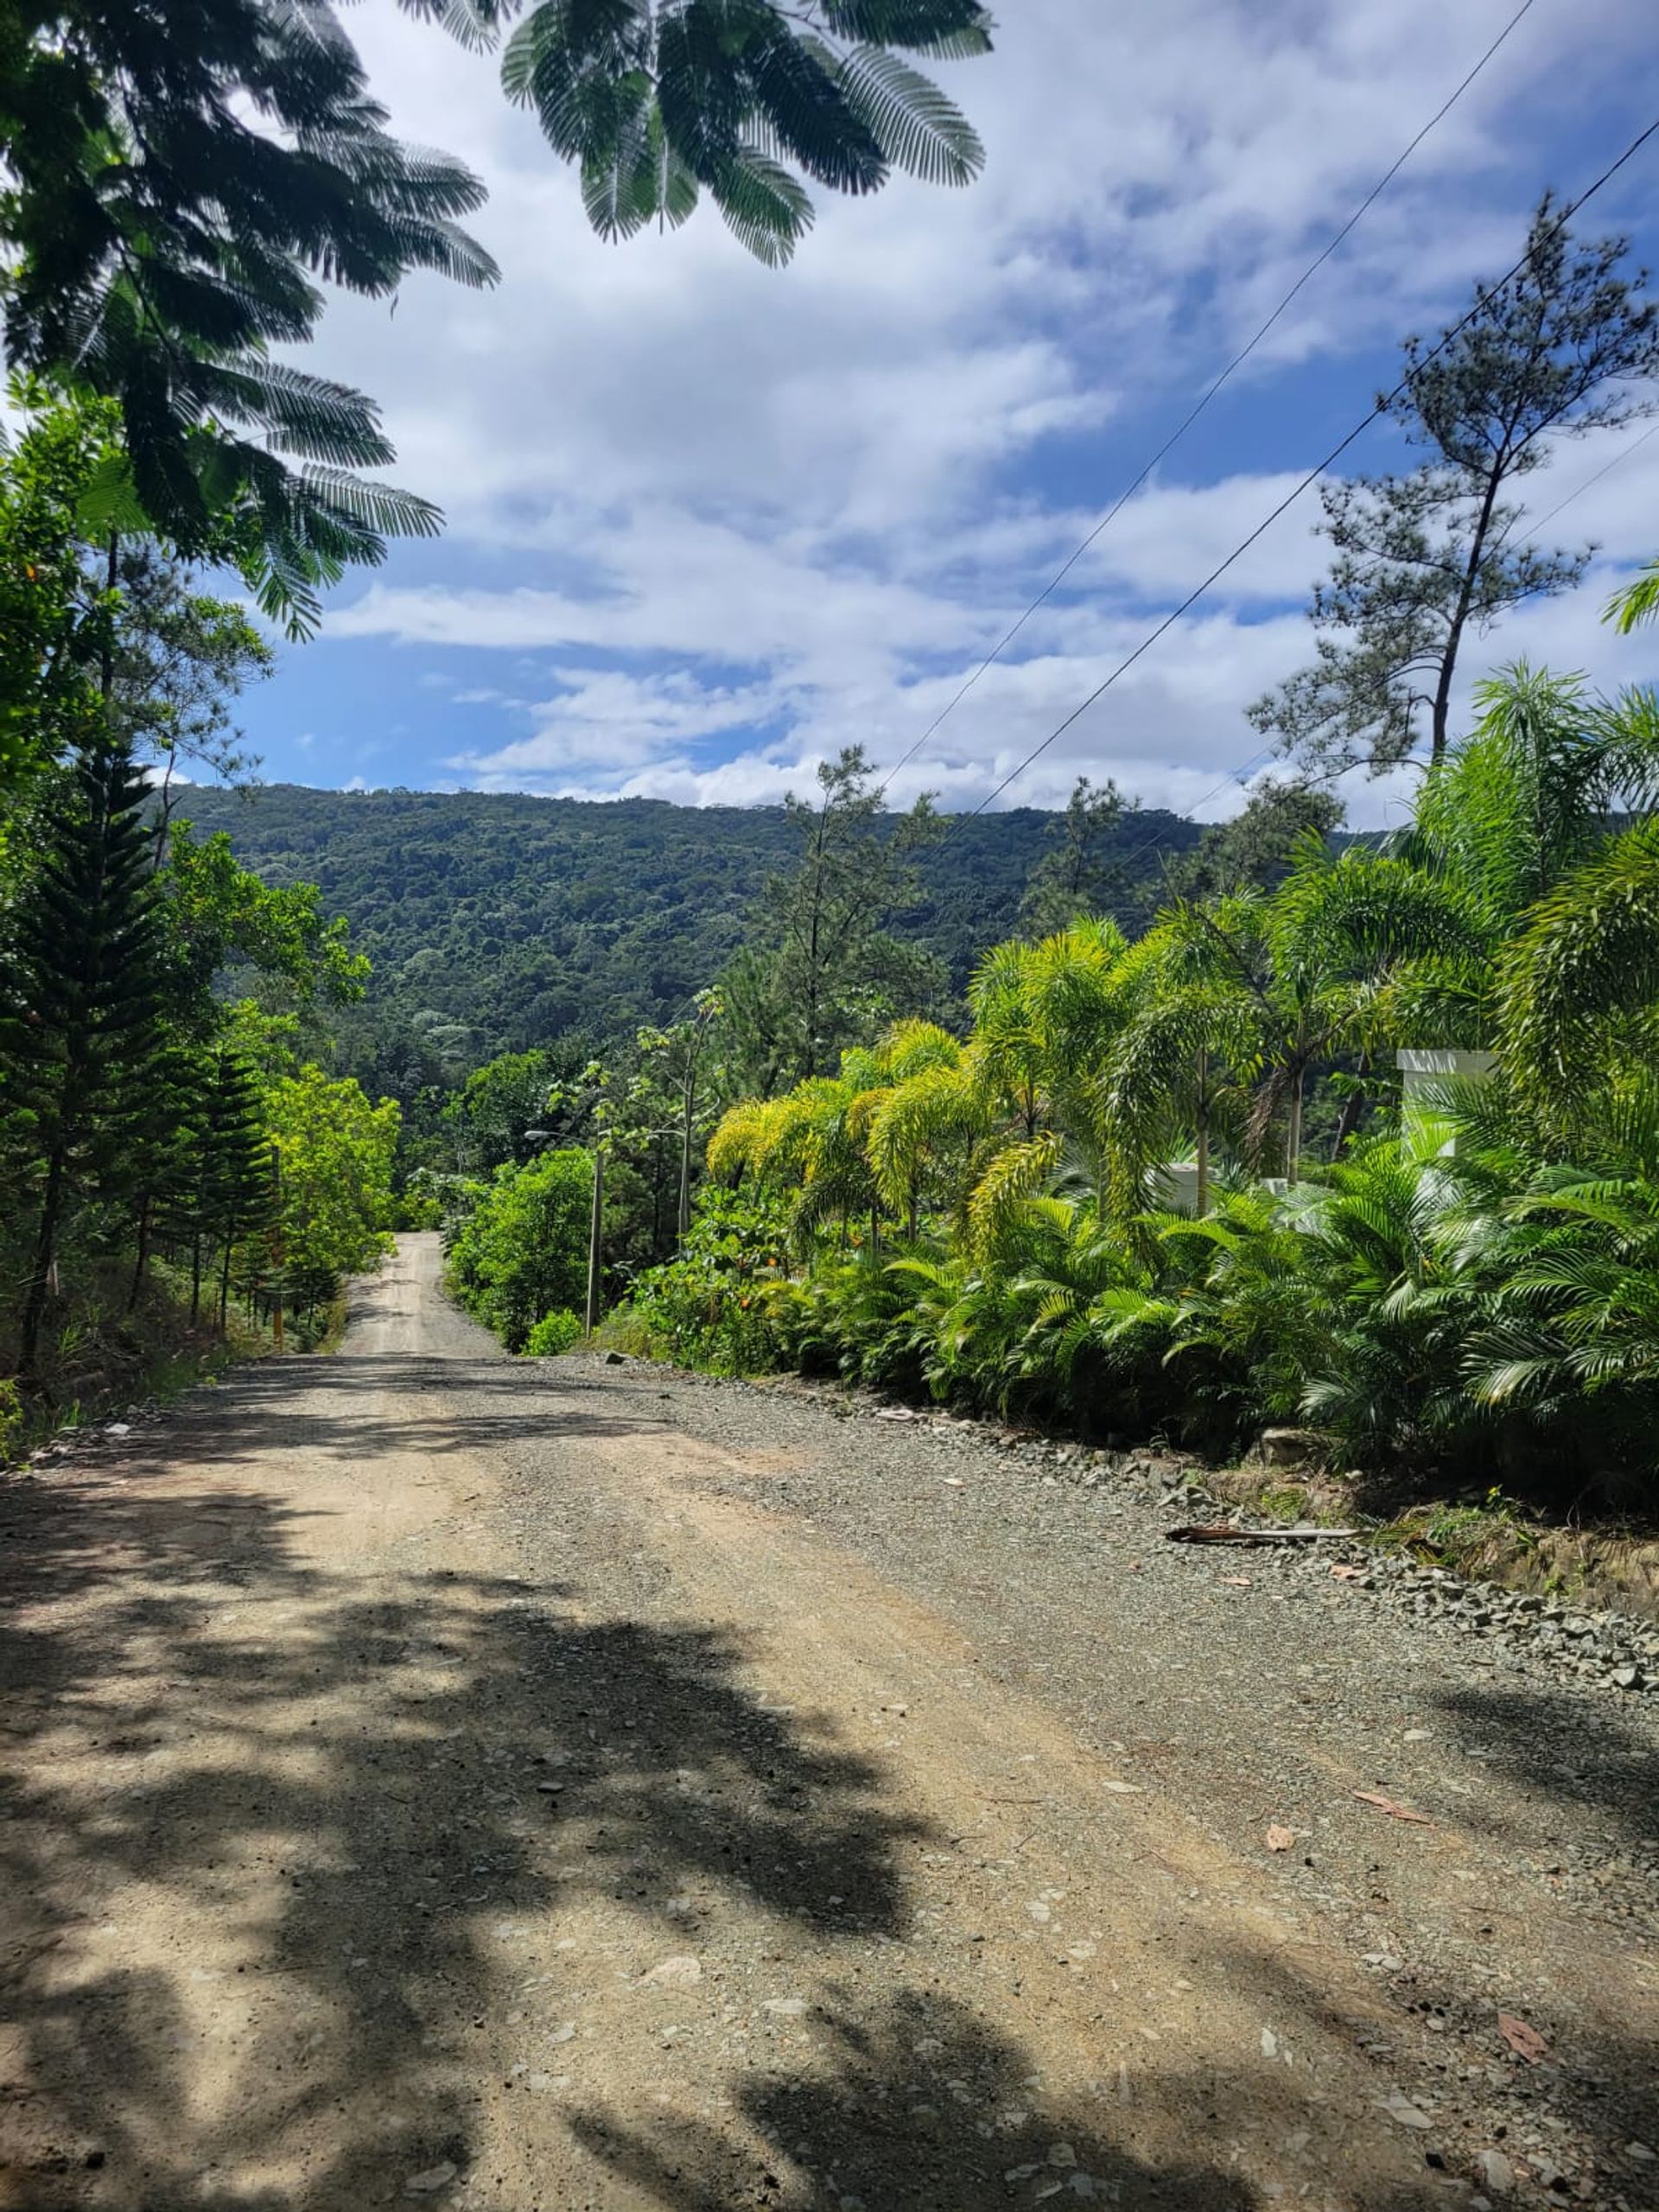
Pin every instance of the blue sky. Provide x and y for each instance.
(707, 523)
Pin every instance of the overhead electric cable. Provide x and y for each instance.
(1482, 300)
(1263, 753)
(1590, 482)
(1203, 402)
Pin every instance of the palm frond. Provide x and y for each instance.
(917, 126)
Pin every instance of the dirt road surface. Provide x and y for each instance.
(430, 1777)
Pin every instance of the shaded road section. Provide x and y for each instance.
(430, 1777)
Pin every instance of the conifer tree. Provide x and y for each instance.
(79, 1032)
(234, 1194)
(1427, 558)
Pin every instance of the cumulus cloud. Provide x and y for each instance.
(707, 523)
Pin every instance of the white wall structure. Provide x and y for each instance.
(1177, 1187)
(1427, 1073)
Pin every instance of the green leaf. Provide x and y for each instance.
(917, 128)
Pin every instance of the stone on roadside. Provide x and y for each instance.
(429, 2182)
(1401, 2108)
(680, 1971)
(1496, 2172)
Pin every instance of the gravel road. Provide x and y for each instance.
(431, 1778)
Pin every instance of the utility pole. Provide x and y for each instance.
(595, 1231)
(708, 1008)
(278, 1250)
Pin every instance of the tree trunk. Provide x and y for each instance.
(1294, 1129)
(1201, 1150)
(687, 1115)
(40, 1278)
(138, 1282)
(1460, 613)
(195, 1276)
(1353, 1111)
(595, 1232)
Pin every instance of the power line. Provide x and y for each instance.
(1482, 300)
(1590, 482)
(1263, 753)
(1193, 413)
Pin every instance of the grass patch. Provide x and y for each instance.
(1485, 1538)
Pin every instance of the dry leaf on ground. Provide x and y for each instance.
(1235, 1581)
(1280, 1838)
(1387, 1805)
(1344, 1572)
(1526, 2042)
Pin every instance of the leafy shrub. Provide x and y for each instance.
(713, 1305)
(519, 1250)
(855, 1318)
(13, 1420)
(553, 1333)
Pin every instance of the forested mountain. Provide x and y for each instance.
(497, 922)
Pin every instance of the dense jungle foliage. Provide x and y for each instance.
(497, 922)
(1100, 1202)
(174, 1168)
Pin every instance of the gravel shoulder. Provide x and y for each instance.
(431, 1777)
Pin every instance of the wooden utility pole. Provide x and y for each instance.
(278, 1250)
(594, 1234)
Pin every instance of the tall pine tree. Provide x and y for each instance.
(235, 1193)
(79, 1022)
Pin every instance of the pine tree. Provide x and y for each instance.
(1426, 559)
(821, 965)
(1081, 872)
(80, 1029)
(233, 1193)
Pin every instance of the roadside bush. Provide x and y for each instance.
(520, 1252)
(716, 1304)
(855, 1318)
(13, 1420)
(553, 1333)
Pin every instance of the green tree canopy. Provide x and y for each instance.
(821, 965)
(1564, 346)
(521, 1251)
(183, 185)
(660, 101)
(336, 1152)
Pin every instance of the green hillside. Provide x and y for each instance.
(496, 922)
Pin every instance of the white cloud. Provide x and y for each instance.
(698, 509)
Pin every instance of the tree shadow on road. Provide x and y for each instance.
(338, 1791)
(1537, 1737)
(318, 1408)
(912, 2107)
(293, 1844)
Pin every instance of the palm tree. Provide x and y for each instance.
(1175, 1073)
(813, 1141)
(1638, 602)
(661, 100)
(1536, 917)
(1578, 989)
(180, 182)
